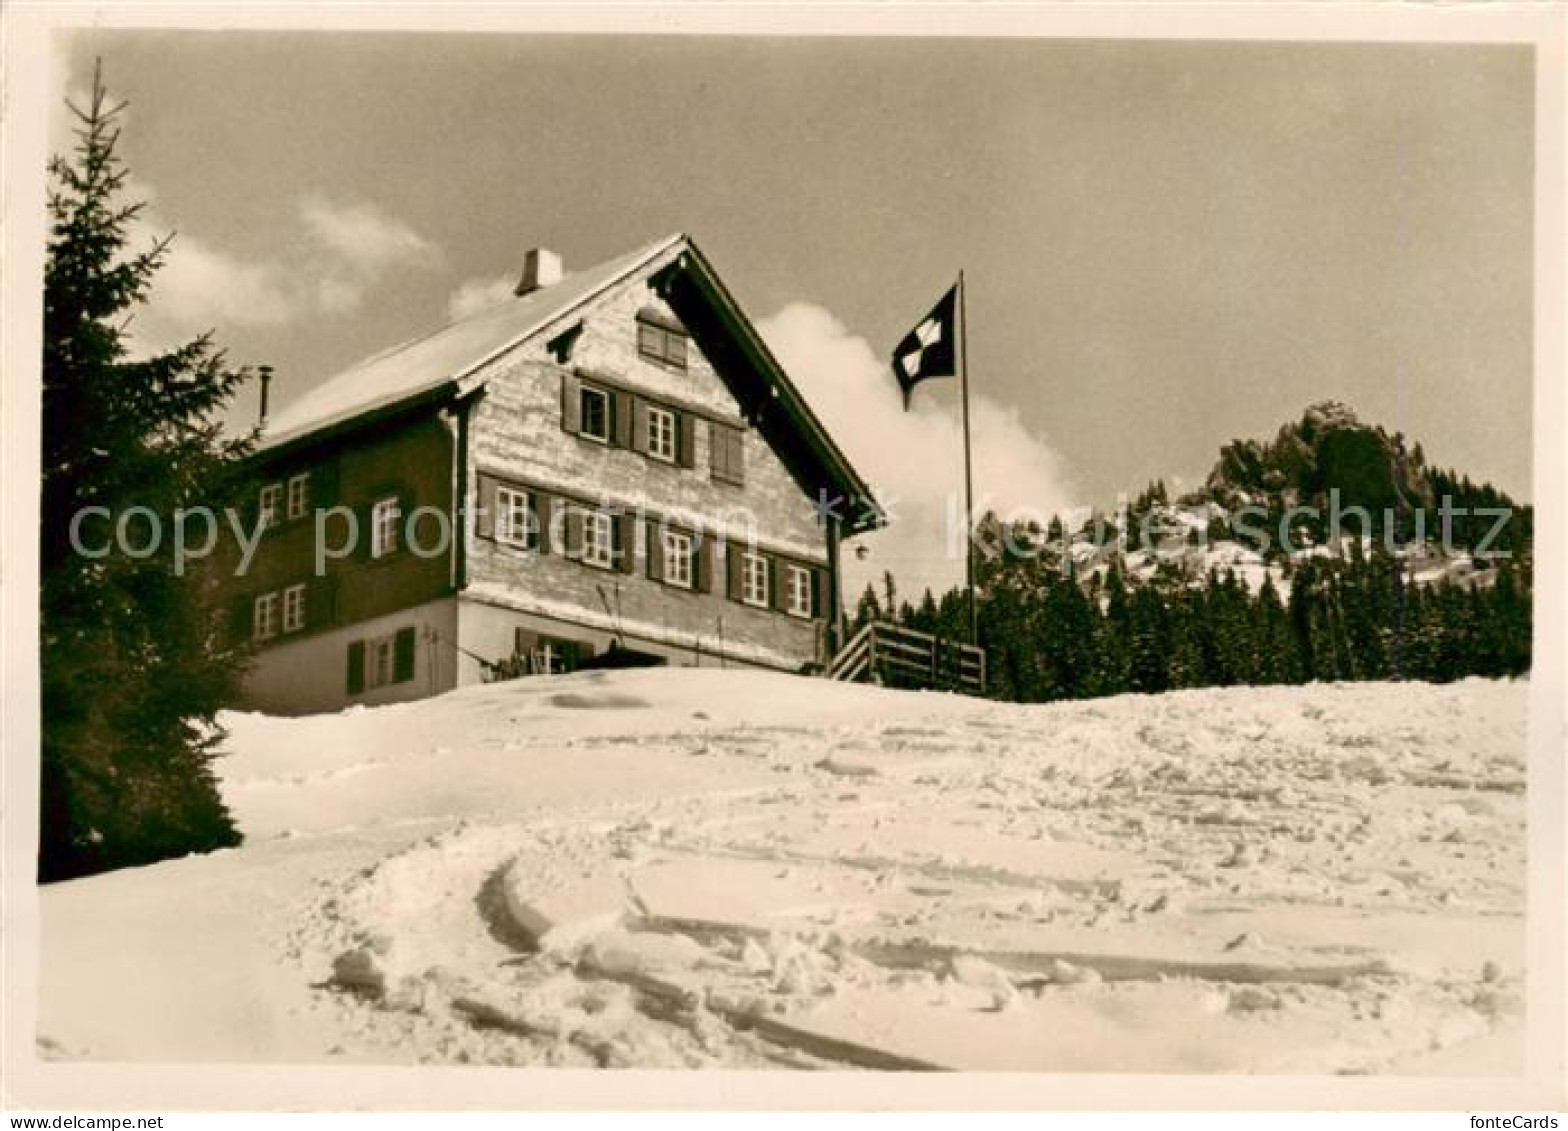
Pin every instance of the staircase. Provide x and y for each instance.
(895, 656)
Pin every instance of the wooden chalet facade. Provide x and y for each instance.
(610, 460)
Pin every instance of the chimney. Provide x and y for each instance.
(265, 372)
(541, 268)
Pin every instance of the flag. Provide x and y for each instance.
(931, 348)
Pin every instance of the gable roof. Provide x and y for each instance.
(441, 364)
(448, 354)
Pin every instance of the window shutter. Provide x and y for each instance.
(734, 559)
(822, 593)
(724, 455)
(403, 655)
(655, 551)
(685, 446)
(571, 404)
(777, 599)
(639, 434)
(484, 518)
(356, 667)
(524, 642)
(702, 572)
(621, 419)
(625, 543)
(574, 533)
(544, 513)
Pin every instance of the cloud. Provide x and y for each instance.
(348, 250)
(200, 287)
(915, 459)
(361, 239)
(475, 295)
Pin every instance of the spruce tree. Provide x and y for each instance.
(133, 667)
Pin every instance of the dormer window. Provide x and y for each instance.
(660, 338)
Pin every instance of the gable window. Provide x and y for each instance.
(294, 608)
(384, 518)
(271, 500)
(661, 433)
(594, 409)
(754, 579)
(264, 617)
(599, 539)
(677, 559)
(663, 344)
(799, 591)
(299, 495)
(515, 522)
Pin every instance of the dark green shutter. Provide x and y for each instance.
(733, 565)
(403, 655)
(571, 404)
(621, 419)
(655, 550)
(703, 574)
(484, 517)
(356, 667)
(685, 441)
(625, 549)
(544, 508)
(638, 438)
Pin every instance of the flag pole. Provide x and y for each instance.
(969, 542)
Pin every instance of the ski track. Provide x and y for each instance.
(1321, 879)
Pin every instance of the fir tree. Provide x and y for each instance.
(133, 667)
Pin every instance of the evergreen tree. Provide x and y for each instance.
(133, 667)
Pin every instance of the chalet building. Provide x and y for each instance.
(610, 462)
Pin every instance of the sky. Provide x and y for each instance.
(1166, 245)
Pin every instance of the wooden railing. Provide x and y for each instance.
(889, 654)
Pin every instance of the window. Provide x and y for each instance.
(549, 658)
(595, 414)
(271, 499)
(381, 660)
(299, 495)
(799, 592)
(661, 433)
(384, 518)
(662, 344)
(546, 655)
(515, 522)
(379, 672)
(264, 617)
(294, 608)
(754, 589)
(599, 538)
(676, 565)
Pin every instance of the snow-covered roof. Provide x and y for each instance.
(448, 354)
(438, 363)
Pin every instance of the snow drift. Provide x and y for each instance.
(681, 868)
